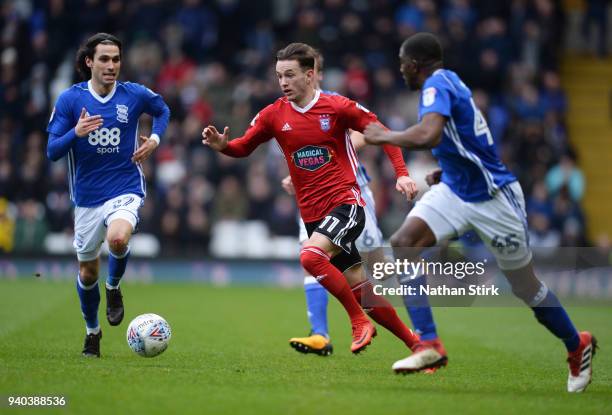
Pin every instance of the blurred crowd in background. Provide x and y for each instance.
(213, 63)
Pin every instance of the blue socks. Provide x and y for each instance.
(90, 299)
(419, 310)
(548, 311)
(116, 268)
(551, 314)
(316, 303)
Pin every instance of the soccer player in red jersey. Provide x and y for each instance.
(311, 128)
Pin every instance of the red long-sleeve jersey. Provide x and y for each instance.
(316, 144)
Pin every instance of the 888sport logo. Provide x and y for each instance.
(107, 139)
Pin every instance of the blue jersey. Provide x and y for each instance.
(467, 154)
(99, 165)
(361, 174)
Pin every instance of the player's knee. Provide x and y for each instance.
(403, 239)
(520, 291)
(307, 260)
(88, 272)
(118, 244)
(528, 288)
(414, 233)
(311, 257)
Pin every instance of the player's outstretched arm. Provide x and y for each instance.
(255, 135)
(214, 139)
(404, 183)
(424, 135)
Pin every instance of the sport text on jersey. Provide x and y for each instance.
(106, 139)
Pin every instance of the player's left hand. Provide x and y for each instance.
(375, 133)
(406, 186)
(145, 149)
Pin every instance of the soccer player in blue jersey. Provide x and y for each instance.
(95, 125)
(476, 191)
(369, 243)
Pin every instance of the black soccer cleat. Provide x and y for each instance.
(114, 306)
(92, 345)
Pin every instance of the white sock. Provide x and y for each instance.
(95, 330)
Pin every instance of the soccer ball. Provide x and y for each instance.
(148, 335)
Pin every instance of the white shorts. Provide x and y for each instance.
(371, 237)
(90, 223)
(500, 222)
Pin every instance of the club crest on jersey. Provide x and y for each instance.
(325, 123)
(122, 113)
(429, 96)
(311, 158)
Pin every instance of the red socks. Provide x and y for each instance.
(316, 262)
(383, 313)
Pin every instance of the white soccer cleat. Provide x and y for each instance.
(421, 359)
(580, 363)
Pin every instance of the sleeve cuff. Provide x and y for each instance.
(155, 138)
(402, 173)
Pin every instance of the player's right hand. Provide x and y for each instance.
(433, 177)
(214, 139)
(87, 124)
(287, 184)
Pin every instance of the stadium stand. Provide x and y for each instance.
(211, 61)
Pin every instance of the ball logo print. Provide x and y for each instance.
(148, 335)
(134, 341)
(105, 137)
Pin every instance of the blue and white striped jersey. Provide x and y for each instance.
(362, 175)
(467, 154)
(99, 165)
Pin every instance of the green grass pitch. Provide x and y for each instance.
(230, 355)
